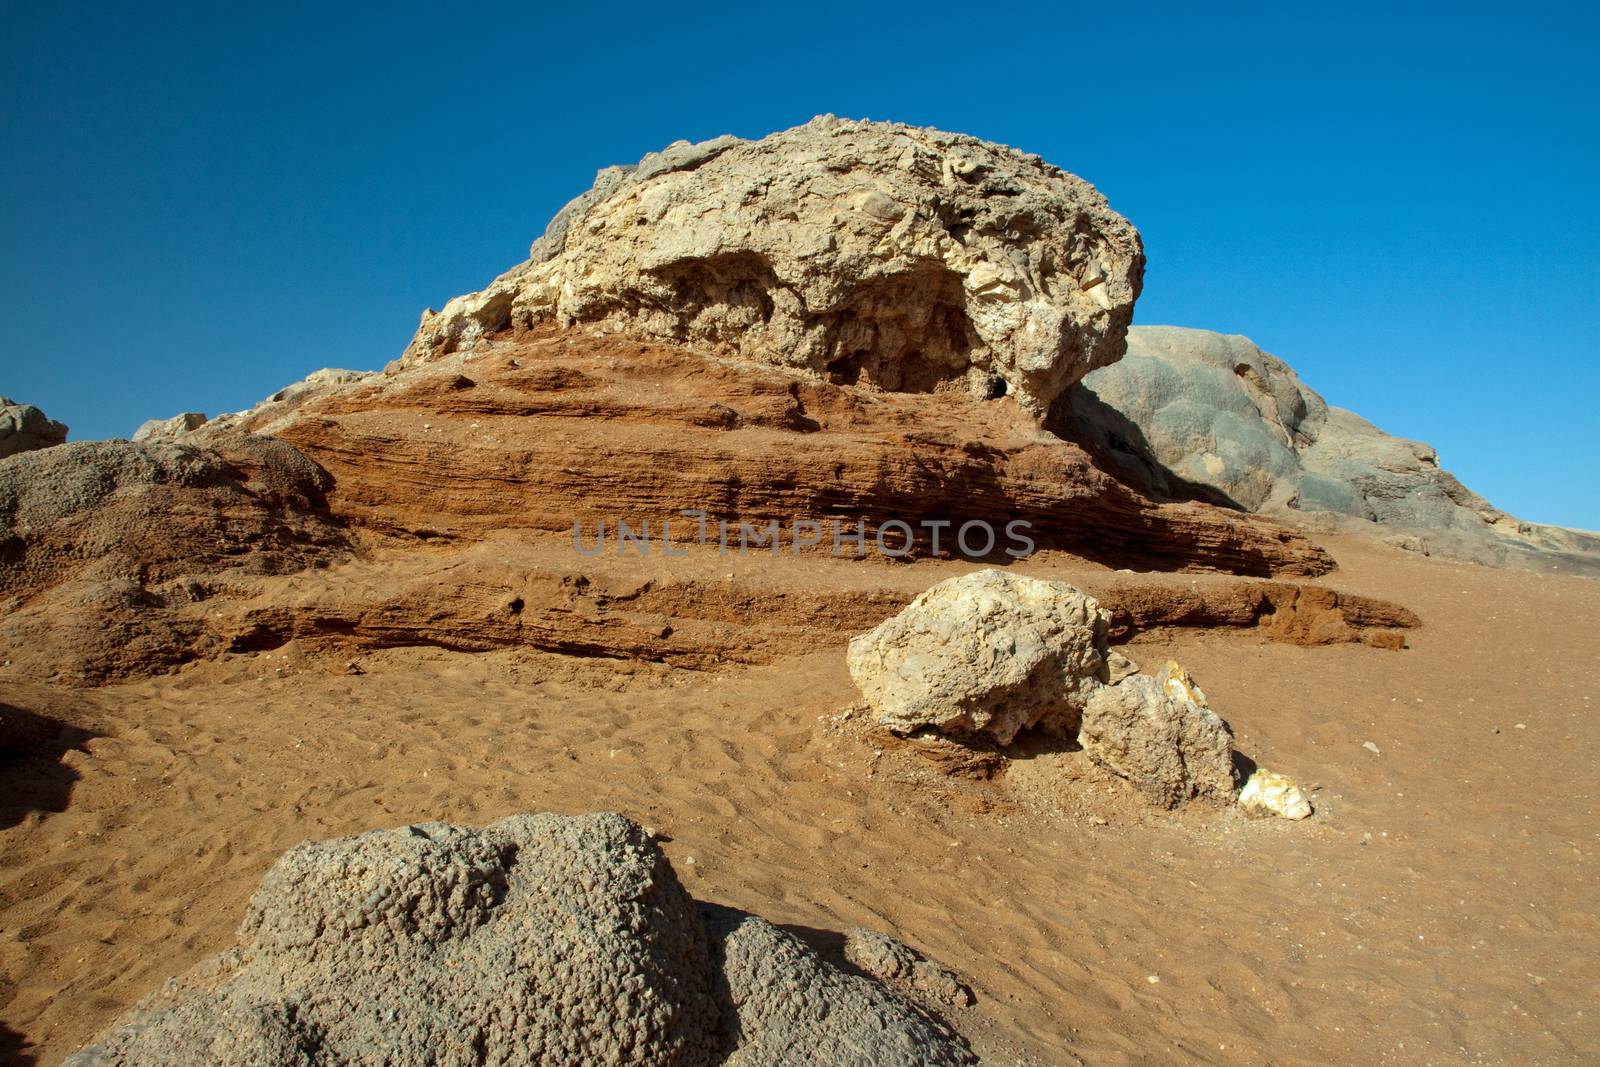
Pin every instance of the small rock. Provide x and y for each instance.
(1370, 747)
(1268, 793)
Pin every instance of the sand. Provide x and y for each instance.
(1440, 907)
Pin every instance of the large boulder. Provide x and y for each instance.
(539, 939)
(24, 428)
(1190, 413)
(986, 654)
(910, 258)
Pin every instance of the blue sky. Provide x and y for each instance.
(199, 205)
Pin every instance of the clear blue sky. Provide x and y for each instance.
(199, 205)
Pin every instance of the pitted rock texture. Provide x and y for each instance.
(24, 428)
(901, 967)
(1171, 747)
(988, 653)
(1194, 414)
(539, 939)
(909, 258)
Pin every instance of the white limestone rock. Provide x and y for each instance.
(905, 257)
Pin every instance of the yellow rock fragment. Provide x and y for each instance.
(1269, 793)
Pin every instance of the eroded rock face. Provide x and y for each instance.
(1190, 413)
(108, 549)
(24, 428)
(539, 939)
(909, 258)
(987, 653)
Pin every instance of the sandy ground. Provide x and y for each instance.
(1441, 907)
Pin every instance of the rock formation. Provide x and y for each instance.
(1193, 414)
(176, 426)
(538, 939)
(104, 544)
(909, 258)
(990, 654)
(24, 428)
(903, 969)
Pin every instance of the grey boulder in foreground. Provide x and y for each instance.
(1191, 413)
(539, 939)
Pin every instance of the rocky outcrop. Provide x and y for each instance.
(559, 428)
(131, 559)
(908, 258)
(1193, 414)
(108, 549)
(538, 939)
(988, 654)
(24, 428)
(176, 426)
(153, 511)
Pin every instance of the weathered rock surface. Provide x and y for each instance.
(458, 484)
(902, 968)
(560, 427)
(176, 426)
(988, 653)
(909, 258)
(24, 428)
(105, 546)
(538, 939)
(1170, 747)
(1194, 414)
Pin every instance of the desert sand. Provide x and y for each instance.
(1440, 907)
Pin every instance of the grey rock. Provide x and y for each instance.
(177, 426)
(1194, 414)
(1170, 748)
(24, 428)
(908, 258)
(792, 1007)
(902, 968)
(539, 939)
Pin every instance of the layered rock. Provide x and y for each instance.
(1193, 414)
(108, 549)
(909, 258)
(538, 939)
(24, 428)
